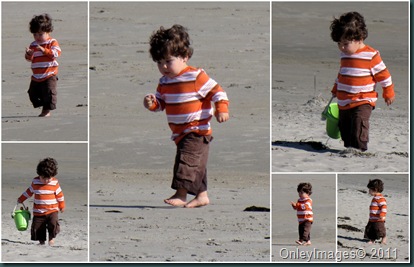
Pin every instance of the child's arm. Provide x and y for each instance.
(60, 198)
(26, 194)
(52, 52)
(293, 204)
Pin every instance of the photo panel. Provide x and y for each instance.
(305, 65)
(21, 164)
(131, 151)
(373, 226)
(57, 76)
(292, 239)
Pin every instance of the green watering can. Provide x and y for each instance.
(331, 115)
(21, 217)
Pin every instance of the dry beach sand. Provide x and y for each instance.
(19, 163)
(285, 224)
(19, 119)
(353, 214)
(131, 155)
(303, 52)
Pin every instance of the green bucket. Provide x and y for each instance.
(21, 218)
(331, 113)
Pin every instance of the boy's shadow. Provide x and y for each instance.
(18, 117)
(311, 146)
(352, 238)
(129, 207)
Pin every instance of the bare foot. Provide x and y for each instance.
(299, 242)
(308, 243)
(179, 199)
(51, 242)
(384, 241)
(200, 200)
(45, 113)
(371, 242)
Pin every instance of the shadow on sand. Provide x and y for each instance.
(129, 207)
(311, 146)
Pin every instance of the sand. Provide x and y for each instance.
(302, 53)
(19, 119)
(19, 163)
(353, 214)
(131, 155)
(285, 224)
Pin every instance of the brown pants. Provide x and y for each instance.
(190, 168)
(44, 94)
(375, 230)
(48, 222)
(304, 231)
(354, 126)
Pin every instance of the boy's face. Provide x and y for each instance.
(302, 194)
(40, 37)
(372, 192)
(350, 47)
(45, 180)
(172, 66)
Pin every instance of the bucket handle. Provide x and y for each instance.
(326, 108)
(14, 210)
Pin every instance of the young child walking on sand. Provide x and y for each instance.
(304, 213)
(375, 228)
(186, 93)
(42, 53)
(361, 69)
(48, 201)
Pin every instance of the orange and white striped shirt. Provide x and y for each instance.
(187, 99)
(304, 210)
(48, 198)
(44, 65)
(358, 75)
(378, 208)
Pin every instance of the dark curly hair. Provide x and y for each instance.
(376, 185)
(41, 23)
(305, 188)
(47, 168)
(174, 41)
(350, 26)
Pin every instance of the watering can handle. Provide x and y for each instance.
(16, 207)
(329, 103)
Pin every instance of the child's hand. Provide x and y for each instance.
(62, 210)
(222, 117)
(40, 48)
(29, 51)
(389, 101)
(293, 204)
(149, 101)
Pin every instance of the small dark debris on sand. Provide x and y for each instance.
(113, 211)
(254, 208)
(346, 218)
